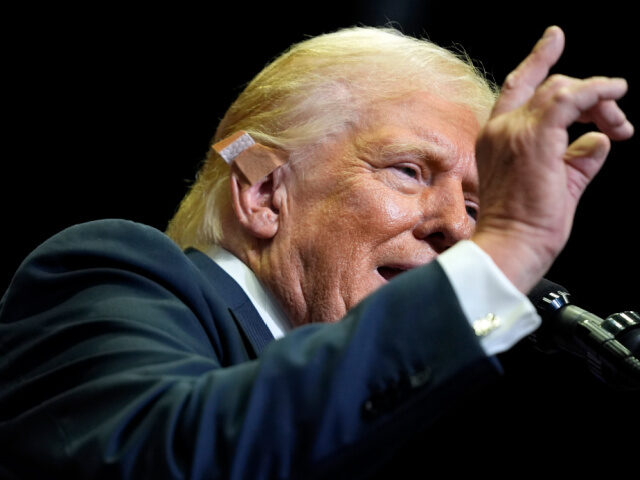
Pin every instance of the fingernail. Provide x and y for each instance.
(549, 32)
(622, 81)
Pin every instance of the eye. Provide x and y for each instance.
(409, 171)
(472, 211)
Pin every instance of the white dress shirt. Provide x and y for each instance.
(265, 304)
(498, 312)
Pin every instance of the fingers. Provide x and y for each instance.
(564, 100)
(611, 118)
(590, 100)
(521, 84)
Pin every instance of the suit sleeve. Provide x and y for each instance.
(117, 363)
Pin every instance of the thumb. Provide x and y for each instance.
(585, 156)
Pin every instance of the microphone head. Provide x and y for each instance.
(549, 297)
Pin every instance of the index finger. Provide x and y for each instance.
(522, 82)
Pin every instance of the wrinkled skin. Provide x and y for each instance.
(396, 192)
(387, 198)
(531, 176)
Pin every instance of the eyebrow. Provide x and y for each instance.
(419, 149)
(432, 149)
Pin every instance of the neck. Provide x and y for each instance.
(276, 270)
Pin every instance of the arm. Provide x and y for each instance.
(121, 364)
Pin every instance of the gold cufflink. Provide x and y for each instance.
(486, 324)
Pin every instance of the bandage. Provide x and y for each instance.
(254, 160)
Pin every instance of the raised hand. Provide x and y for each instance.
(531, 177)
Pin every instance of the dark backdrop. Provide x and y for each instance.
(111, 109)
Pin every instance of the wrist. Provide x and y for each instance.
(523, 262)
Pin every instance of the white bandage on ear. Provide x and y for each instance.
(232, 146)
(255, 161)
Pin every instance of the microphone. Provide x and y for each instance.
(611, 347)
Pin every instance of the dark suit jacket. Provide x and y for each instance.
(124, 357)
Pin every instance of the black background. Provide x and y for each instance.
(110, 109)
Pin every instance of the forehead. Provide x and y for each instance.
(421, 121)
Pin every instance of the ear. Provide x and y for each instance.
(254, 205)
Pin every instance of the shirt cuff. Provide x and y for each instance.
(498, 312)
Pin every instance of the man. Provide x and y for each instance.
(126, 357)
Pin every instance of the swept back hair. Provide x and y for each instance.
(315, 91)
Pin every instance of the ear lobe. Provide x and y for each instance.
(253, 204)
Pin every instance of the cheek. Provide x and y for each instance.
(353, 219)
(380, 214)
(399, 212)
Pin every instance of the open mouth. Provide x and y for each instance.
(389, 273)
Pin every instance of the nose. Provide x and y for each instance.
(445, 218)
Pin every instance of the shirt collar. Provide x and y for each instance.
(265, 304)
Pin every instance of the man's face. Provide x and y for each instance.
(382, 200)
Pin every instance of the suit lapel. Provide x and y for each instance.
(245, 314)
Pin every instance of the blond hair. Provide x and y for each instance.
(316, 90)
